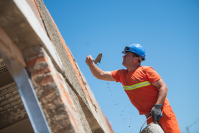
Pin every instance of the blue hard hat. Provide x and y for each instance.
(135, 48)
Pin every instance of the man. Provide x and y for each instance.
(144, 87)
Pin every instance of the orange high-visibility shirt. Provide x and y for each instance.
(137, 85)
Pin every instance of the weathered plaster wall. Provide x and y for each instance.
(63, 93)
(52, 92)
(72, 72)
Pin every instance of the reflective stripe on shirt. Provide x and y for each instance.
(138, 85)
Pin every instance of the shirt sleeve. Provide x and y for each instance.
(116, 75)
(152, 75)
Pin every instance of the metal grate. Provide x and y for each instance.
(11, 107)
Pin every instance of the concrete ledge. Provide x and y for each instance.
(21, 25)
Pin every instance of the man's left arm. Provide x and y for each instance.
(160, 84)
(156, 112)
(155, 80)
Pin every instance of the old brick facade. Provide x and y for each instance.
(42, 88)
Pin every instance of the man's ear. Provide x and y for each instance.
(140, 59)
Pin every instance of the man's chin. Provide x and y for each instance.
(123, 64)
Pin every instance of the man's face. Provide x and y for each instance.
(128, 59)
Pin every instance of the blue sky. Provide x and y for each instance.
(167, 29)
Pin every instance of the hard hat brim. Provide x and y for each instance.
(124, 52)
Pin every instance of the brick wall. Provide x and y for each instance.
(53, 93)
(64, 96)
(73, 76)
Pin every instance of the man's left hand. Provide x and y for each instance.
(156, 112)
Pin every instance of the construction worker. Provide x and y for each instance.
(144, 87)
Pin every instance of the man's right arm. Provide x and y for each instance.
(97, 72)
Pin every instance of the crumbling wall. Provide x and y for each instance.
(53, 93)
(61, 89)
(72, 73)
